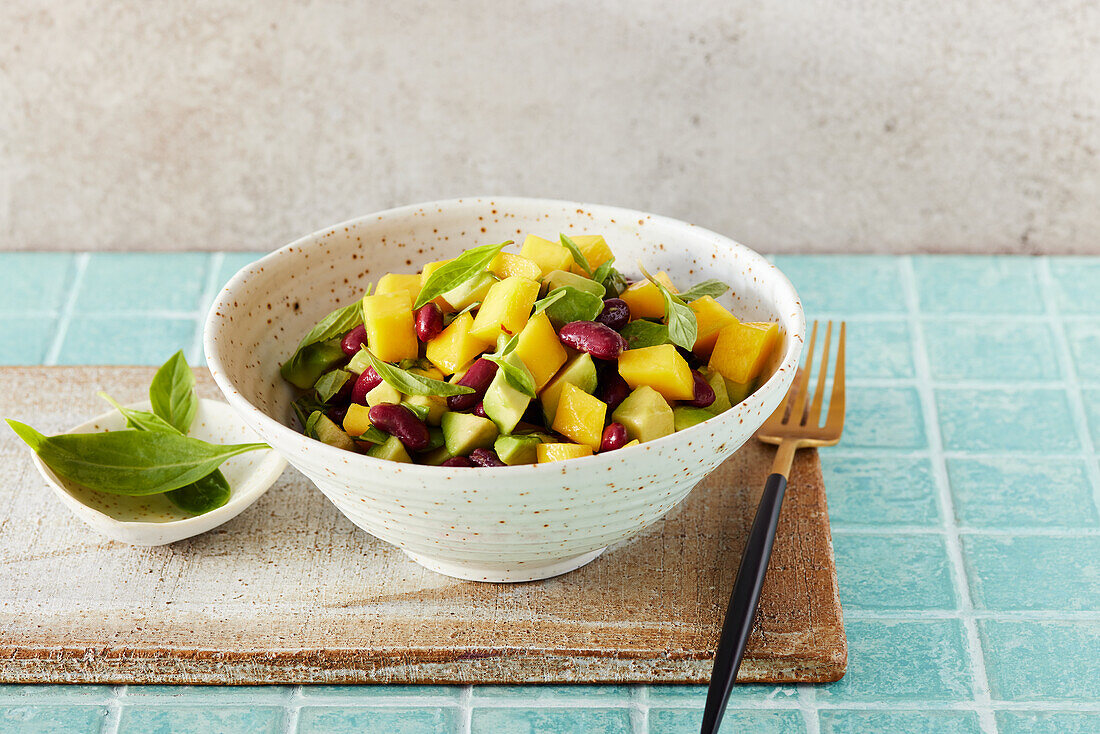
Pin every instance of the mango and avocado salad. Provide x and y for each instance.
(500, 358)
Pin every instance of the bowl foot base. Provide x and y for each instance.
(505, 572)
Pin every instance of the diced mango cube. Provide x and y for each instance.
(743, 349)
(426, 273)
(507, 265)
(549, 256)
(455, 347)
(388, 319)
(357, 420)
(383, 394)
(710, 317)
(580, 416)
(505, 309)
(645, 300)
(540, 349)
(547, 452)
(595, 250)
(660, 367)
(399, 283)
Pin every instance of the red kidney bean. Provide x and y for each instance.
(457, 461)
(478, 377)
(354, 340)
(429, 322)
(614, 437)
(363, 385)
(599, 340)
(479, 410)
(614, 391)
(704, 393)
(486, 457)
(615, 314)
(397, 420)
(337, 413)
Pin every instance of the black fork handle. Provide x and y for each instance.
(743, 600)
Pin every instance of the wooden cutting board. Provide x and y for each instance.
(291, 592)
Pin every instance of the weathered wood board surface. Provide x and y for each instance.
(291, 592)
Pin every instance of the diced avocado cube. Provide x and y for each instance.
(471, 292)
(503, 403)
(579, 371)
(645, 415)
(359, 362)
(562, 278)
(432, 406)
(308, 364)
(391, 450)
(686, 416)
(514, 450)
(383, 392)
(738, 391)
(464, 432)
(435, 457)
(721, 398)
(320, 427)
(435, 438)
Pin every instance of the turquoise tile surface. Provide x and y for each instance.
(1077, 281)
(878, 349)
(130, 339)
(990, 349)
(367, 693)
(551, 693)
(879, 490)
(1048, 722)
(1041, 660)
(825, 283)
(1022, 420)
(880, 417)
(1022, 492)
(26, 339)
(39, 719)
(953, 284)
(893, 571)
(348, 720)
(678, 721)
(909, 722)
(15, 693)
(228, 695)
(1034, 572)
(144, 719)
(551, 721)
(143, 282)
(1091, 399)
(902, 660)
(751, 693)
(1084, 347)
(34, 281)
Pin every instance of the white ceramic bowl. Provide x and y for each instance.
(513, 523)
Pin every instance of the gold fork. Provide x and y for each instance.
(795, 424)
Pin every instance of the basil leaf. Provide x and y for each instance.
(374, 434)
(642, 333)
(141, 420)
(518, 376)
(129, 462)
(575, 305)
(578, 256)
(330, 383)
(305, 406)
(712, 288)
(458, 271)
(202, 496)
(337, 323)
(310, 362)
(682, 327)
(412, 384)
(172, 393)
(309, 426)
(603, 271)
(543, 304)
(614, 284)
(421, 411)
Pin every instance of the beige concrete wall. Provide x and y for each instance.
(792, 125)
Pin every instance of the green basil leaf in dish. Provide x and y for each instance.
(420, 411)
(544, 303)
(642, 333)
(140, 420)
(320, 350)
(578, 256)
(306, 405)
(202, 496)
(575, 305)
(682, 327)
(712, 288)
(458, 271)
(613, 283)
(374, 434)
(172, 393)
(129, 462)
(412, 384)
(515, 371)
(331, 383)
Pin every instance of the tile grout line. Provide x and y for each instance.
(466, 708)
(65, 316)
(1069, 375)
(953, 542)
(292, 707)
(114, 710)
(209, 292)
(640, 713)
(807, 703)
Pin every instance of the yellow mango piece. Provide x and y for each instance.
(710, 317)
(549, 256)
(547, 452)
(505, 309)
(628, 444)
(580, 416)
(661, 368)
(540, 350)
(399, 283)
(357, 420)
(455, 347)
(595, 251)
(429, 372)
(507, 265)
(743, 349)
(388, 319)
(424, 275)
(645, 301)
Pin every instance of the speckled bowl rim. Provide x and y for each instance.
(786, 302)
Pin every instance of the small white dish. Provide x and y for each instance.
(153, 519)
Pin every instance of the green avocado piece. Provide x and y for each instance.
(514, 450)
(391, 450)
(503, 403)
(319, 426)
(645, 414)
(431, 406)
(435, 457)
(721, 398)
(471, 292)
(382, 393)
(308, 364)
(686, 416)
(464, 432)
(738, 391)
(560, 278)
(579, 371)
